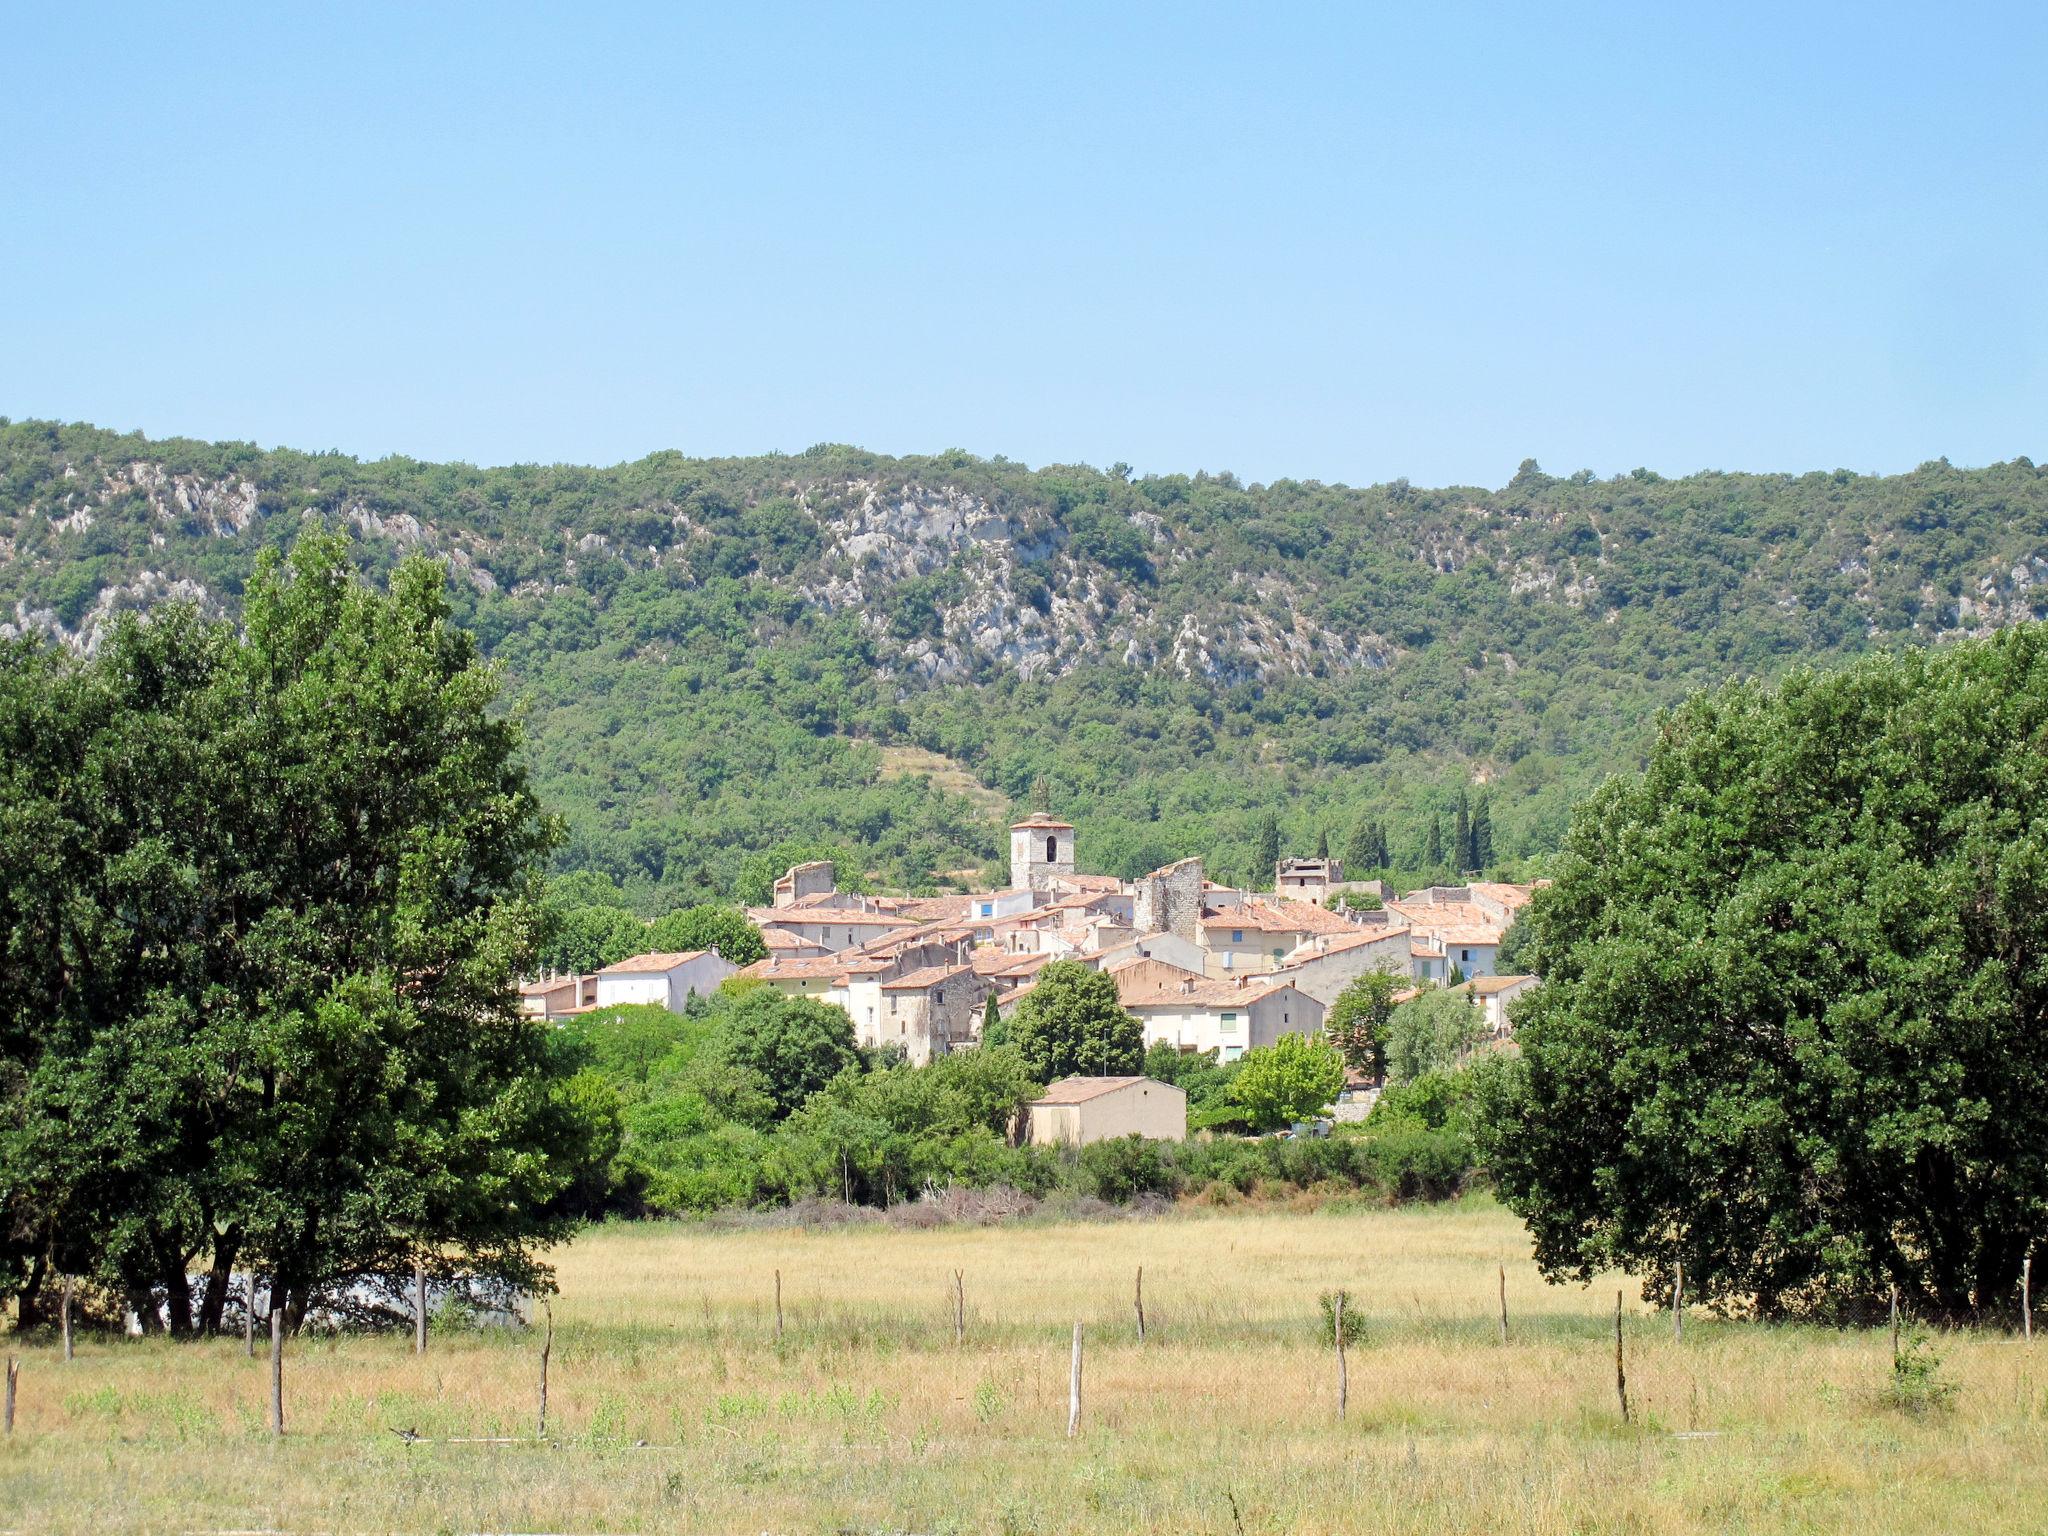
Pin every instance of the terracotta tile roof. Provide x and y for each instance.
(1079, 1090)
(1149, 980)
(933, 909)
(1101, 885)
(797, 967)
(994, 962)
(783, 939)
(1206, 993)
(653, 964)
(1279, 916)
(1040, 819)
(1312, 918)
(1487, 986)
(930, 976)
(1509, 896)
(1456, 922)
(1317, 945)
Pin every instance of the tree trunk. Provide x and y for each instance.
(177, 1293)
(29, 1303)
(220, 1280)
(142, 1302)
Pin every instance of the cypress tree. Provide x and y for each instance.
(1382, 858)
(1461, 845)
(1482, 835)
(1358, 850)
(1323, 843)
(1433, 853)
(1265, 849)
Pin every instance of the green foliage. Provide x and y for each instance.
(1792, 1026)
(701, 722)
(631, 1042)
(1916, 1385)
(262, 899)
(1070, 1024)
(587, 939)
(1294, 1078)
(1432, 1033)
(1358, 1021)
(1121, 1168)
(709, 926)
(1354, 1321)
(795, 1045)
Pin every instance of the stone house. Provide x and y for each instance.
(1493, 994)
(1078, 1110)
(1228, 1017)
(669, 980)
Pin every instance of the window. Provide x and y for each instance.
(1237, 935)
(1052, 850)
(1229, 1025)
(988, 909)
(1464, 954)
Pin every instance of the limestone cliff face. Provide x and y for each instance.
(956, 569)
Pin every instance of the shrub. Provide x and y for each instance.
(1354, 1322)
(1917, 1386)
(1125, 1168)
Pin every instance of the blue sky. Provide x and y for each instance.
(1335, 242)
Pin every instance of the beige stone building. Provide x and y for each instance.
(1078, 1110)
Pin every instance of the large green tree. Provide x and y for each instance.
(1071, 1024)
(1294, 1078)
(261, 1009)
(709, 926)
(796, 1044)
(1432, 1033)
(1357, 1021)
(1794, 1024)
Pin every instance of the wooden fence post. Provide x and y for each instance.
(69, 1282)
(2027, 1298)
(249, 1314)
(419, 1307)
(276, 1369)
(1074, 1389)
(959, 1308)
(1620, 1375)
(1678, 1301)
(1343, 1372)
(778, 1306)
(13, 1376)
(547, 1348)
(1895, 1325)
(1503, 1301)
(1138, 1301)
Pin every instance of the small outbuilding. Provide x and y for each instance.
(1078, 1110)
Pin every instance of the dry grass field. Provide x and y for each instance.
(675, 1408)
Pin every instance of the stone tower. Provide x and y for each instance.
(1040, 848)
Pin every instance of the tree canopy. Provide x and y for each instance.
(262, 900)
(1358, 1021)
(1071, 1024)
(1294, 1078)
(1791, 1031)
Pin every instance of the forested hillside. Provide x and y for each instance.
(715, 654)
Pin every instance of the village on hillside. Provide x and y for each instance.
(1203, 967)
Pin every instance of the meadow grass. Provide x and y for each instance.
(674, 1407)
